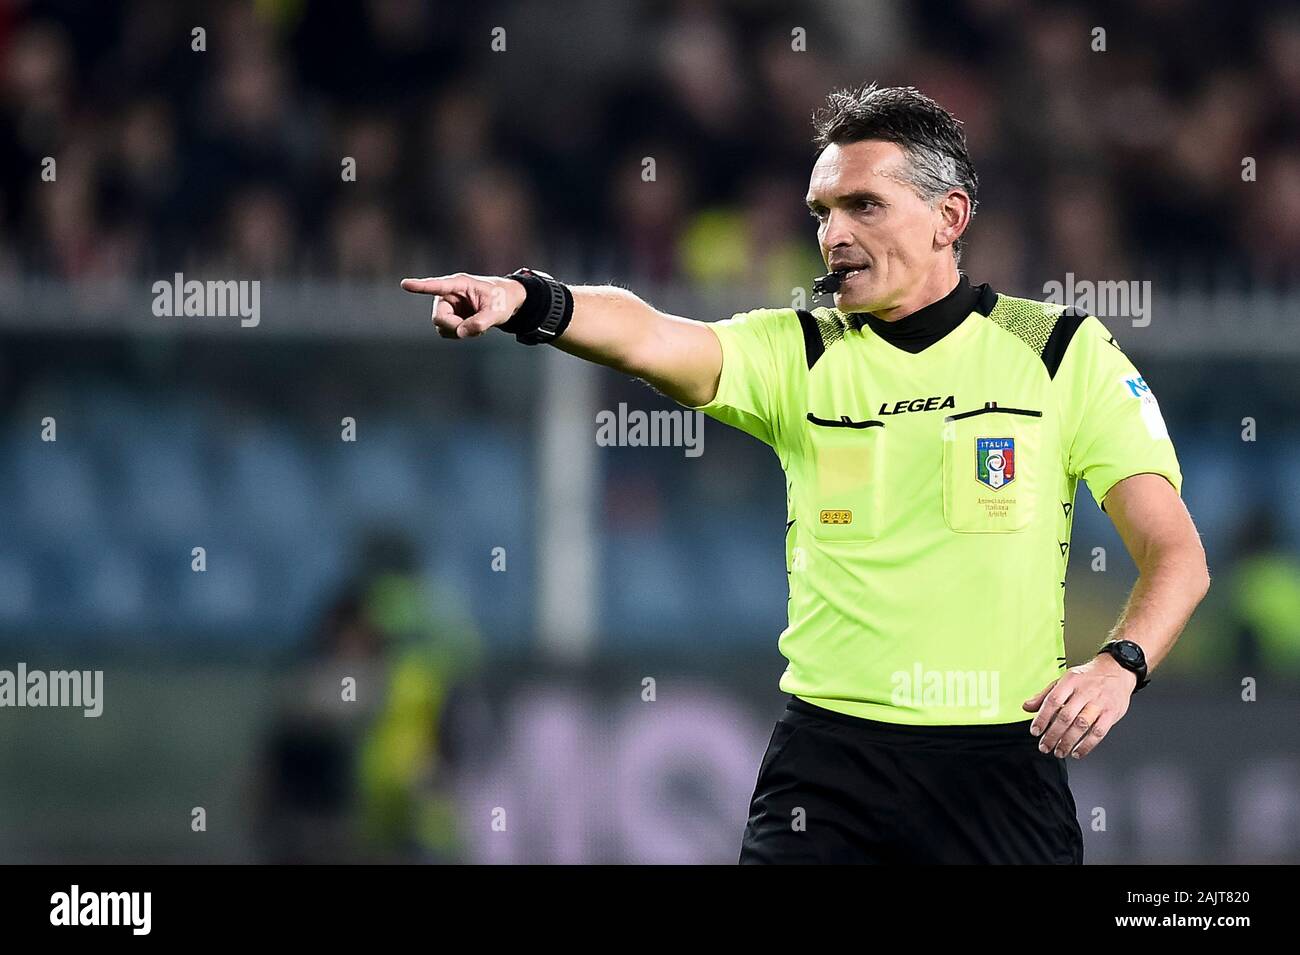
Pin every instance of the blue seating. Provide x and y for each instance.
(57, 487)
(646, 589)
(267, 482)
(18, 587)
(104, 519)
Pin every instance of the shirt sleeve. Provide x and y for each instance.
(749, 386)
(1118, 430)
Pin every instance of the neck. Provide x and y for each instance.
(930, 323)
(936, 285)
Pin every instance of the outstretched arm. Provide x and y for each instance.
(610, 326)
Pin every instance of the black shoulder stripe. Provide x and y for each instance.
(1062, 334)
(813, 348)
(987, 300)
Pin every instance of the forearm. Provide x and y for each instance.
(611, 326)
(608, 325)
(1169, 587)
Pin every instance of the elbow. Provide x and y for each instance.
(1203, 578)
(1197, 571)
(1187, 562)
(1200, 568)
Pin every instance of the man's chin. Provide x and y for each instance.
(856, 294)
(854, 301)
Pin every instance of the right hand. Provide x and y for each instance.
(466, 306)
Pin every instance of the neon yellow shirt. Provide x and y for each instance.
(930, 486)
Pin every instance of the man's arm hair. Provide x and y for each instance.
(1157, 530)
(611, 326)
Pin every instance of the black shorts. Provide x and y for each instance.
(834, 788)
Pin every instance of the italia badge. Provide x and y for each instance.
(995, 461)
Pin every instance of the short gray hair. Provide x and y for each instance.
(930, 136)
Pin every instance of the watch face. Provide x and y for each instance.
(1129, 652)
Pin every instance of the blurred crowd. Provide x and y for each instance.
(662, 141)
(642, 141)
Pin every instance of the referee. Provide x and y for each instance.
(932, 433)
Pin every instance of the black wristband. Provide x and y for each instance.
(546, 312)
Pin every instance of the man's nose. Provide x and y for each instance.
(837, 232)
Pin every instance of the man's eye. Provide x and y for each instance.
(865, 204)
(817, 214)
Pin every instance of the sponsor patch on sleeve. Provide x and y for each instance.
(1135, 386)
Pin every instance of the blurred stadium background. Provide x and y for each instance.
(483, 689)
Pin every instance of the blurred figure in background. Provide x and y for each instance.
(358, 765)
(1264, 590)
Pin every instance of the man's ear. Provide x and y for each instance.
(954, 217)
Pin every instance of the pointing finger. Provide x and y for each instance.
(437, 285)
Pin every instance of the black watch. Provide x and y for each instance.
(550, 310)
(1130, 657)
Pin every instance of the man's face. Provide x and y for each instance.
(869, 218)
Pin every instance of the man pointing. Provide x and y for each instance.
(933, 434)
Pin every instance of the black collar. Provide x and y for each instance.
(927, 325)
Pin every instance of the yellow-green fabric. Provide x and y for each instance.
(925, 587)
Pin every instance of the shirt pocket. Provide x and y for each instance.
(991, 462)
(848, 478)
